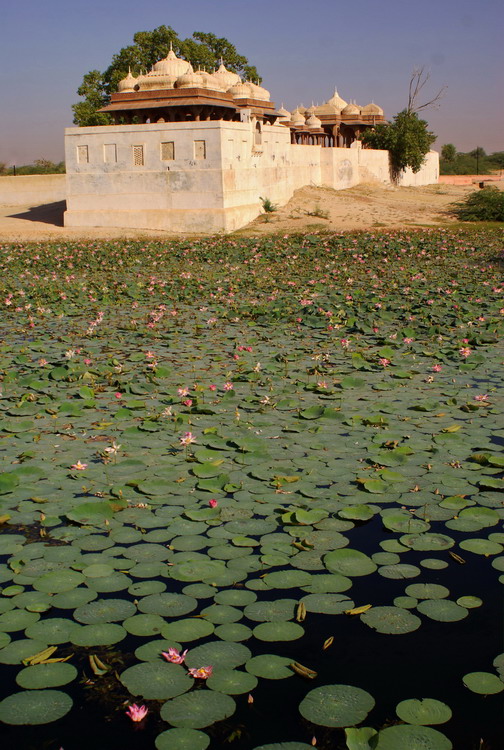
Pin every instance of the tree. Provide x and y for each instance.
(201, 50)
(448, 152)
(407, 138)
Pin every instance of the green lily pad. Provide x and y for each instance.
(427, 591)
(336, 705)
(349, 562)
(198, 709)
(270, 666)
(103, 634)
(182, 739)
(156, 680)
(35, 707)
(484, 683)
(421, 711)
(46, 676)
(412, 737)
(481, 546)
(218, 654)
(393, 620)
(104, 610)
(278, 631)
(443, 610)
(190, 629)
(232, 681)
(167, 604)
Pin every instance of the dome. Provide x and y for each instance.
(298, 119)
(127, 84)
(327, 109)
(372, 109)
(309, 111)
(283, 114)
(313, 122)
(172, 65)
(258, 92)
(351, 109)
(336, 100)
(225, 77)
(210, 81)
(190, 81)
(151, 81)
(241, 91)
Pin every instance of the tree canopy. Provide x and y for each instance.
(407, 139)
(202, 50)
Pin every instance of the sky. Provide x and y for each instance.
(303, 49)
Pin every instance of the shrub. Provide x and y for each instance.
(482, 205)
(268, 206)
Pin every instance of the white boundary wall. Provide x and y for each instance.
(213, 179)
(32, 190)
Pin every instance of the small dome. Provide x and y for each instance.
(152, 81)
(327, 109)
(351, 109)
(210, 81)
(313, 122)
(309, 111)
(372, 109)
(190, 81)
(336, 100)
(241, 91)
(225, 77)
(283, 114)
(127, 84)
(298, 119)
(258, 92)
(172, 65)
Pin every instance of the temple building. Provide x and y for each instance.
(194, 151)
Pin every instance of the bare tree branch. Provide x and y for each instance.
(419, 78)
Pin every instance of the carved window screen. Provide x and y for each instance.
(168, 151)
(138, 156)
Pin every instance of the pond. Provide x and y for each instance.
(252, 493)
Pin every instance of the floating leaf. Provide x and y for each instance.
(35, 707)
(484, 683)
(423, 711)
(336, 705)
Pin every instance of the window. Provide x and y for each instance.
(110, 153)
(200, 149)
(82, 155)
(138, 156)
(168, 151)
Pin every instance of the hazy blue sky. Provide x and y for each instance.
(302, 48)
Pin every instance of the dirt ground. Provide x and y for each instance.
(366, 206)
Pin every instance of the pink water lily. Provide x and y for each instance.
(136, 713)
(213, 503)
(79, 466)
(174, 656)
(200, 673)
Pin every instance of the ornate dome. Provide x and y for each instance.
(313, 122)
(336, 100)
(225, 77)
(127, 84)
(172, 65)
(241, 91)
(283, 114)
(372, 109)
(258, 92)
(351, 109)
(210, 81)
(151, 81)
(298, 119)
(190, 81)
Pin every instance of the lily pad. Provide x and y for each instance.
(412, 737)
(156, 680)
(46, 676)
(35, 707)
(422, 711)
(198, 709)
(182, 739)
(336, 705)
(394, 620)
(484, 683)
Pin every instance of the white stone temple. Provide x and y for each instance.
(194, 152)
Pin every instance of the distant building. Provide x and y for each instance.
(192, 151)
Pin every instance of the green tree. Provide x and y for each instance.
(407, 139)
(448, 152)
(201, 50)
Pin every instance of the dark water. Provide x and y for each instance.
(429, 662)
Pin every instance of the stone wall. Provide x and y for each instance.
(203, 177)
(32, 190)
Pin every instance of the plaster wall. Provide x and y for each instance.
(32, 190)
(201, 177)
